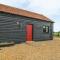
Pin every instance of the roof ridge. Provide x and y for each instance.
(23, 12)
(20, 9)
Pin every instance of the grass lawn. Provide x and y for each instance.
(41, 50)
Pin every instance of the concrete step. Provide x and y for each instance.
(3, 44)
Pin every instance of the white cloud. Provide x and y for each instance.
(47, 6)
(5, 1)
(16, 0)
(16, 3)
(12, 2)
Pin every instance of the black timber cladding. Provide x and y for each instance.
(11, 31)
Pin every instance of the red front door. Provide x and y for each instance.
(29, 32)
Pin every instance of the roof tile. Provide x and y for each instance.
(22, 12)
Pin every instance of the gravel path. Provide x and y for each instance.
(42, 50)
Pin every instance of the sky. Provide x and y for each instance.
(49, 8)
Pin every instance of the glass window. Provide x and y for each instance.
(46, 29)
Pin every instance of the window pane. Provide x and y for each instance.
(43, 26)
(45, 29)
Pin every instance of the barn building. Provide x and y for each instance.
(19, 25)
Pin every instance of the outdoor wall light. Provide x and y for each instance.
(17, 22)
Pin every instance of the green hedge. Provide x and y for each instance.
(56, 34)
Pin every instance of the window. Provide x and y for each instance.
(46, 29)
